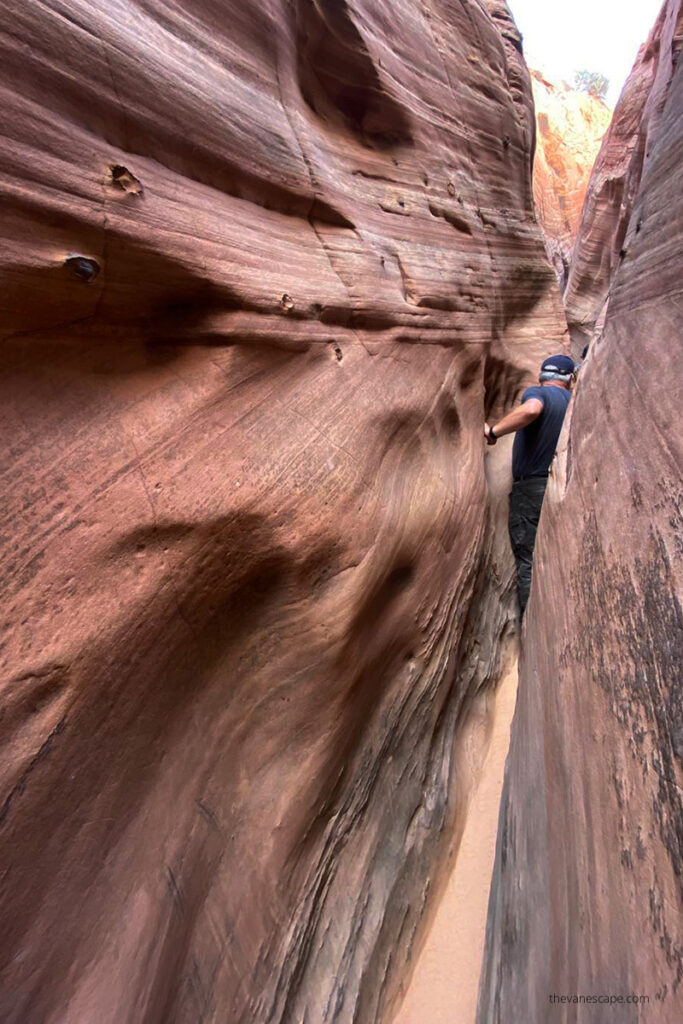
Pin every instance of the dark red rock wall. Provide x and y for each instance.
(587, 896)
(615, 181)
(265, 268)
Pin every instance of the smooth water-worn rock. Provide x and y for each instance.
(266, 268)
(607, 215)
(570, 126)
(587, 897)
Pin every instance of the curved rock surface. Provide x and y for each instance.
(570, 127)
(615, 182)
(587, 896)
(265, 269)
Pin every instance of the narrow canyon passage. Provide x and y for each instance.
(586, 913)
(444, 979)
(268, 269)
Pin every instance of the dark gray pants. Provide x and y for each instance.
(526, 499)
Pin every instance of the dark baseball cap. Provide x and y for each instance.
(558, 364)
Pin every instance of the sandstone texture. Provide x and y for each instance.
(265, 269)
(587, 896)
(570, 126)
(615, 182)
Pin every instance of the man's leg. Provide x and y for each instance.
(526, 500)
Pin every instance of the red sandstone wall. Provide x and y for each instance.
(615, 182)
(266, 268)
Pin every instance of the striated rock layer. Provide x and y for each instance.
(587, 896)
(606, 220)
(266, 267)
(570, 127)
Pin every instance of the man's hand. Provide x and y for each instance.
(487, 435)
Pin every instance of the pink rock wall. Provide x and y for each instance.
(615, 180)
(265, 269)
(587, 897)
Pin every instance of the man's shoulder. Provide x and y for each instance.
(555, 396)
(535, 391)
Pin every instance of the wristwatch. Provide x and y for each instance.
(492, 433)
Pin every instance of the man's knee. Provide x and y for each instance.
(522, 536)
(518, 528)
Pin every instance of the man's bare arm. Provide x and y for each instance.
(520, 417)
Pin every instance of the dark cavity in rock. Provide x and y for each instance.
(122, 178)
(83, 268)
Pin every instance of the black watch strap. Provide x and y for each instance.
(492, 433)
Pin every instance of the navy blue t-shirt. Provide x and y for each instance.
(535, 445)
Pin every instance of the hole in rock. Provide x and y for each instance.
(122, 178)
(502, 382)
(470, 374)
(327, 214)
(451, 419)
(83, 268)
(398, 578)
(338, 78)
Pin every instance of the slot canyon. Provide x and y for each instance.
(267, 269)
